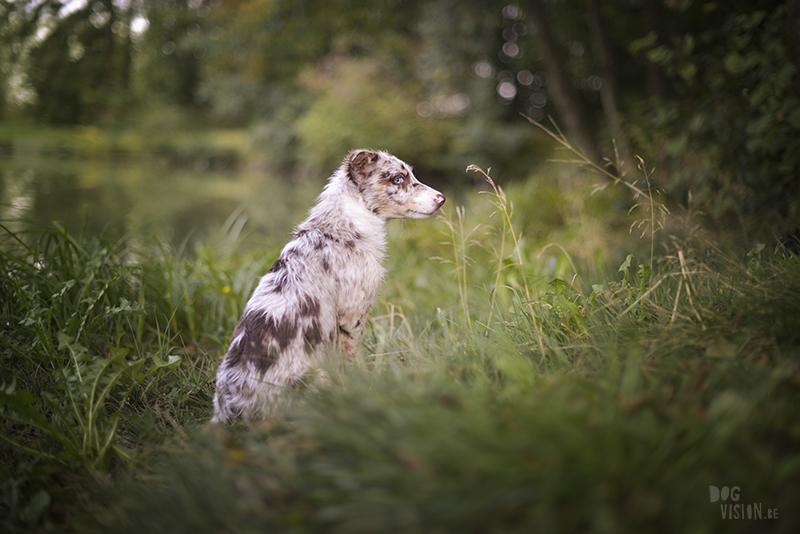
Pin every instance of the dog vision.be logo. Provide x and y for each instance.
(737, 510)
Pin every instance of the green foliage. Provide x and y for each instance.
(563, 302)
(621, 427)
(213, 65)
(313, 79)
(61, 283)
(169, 60)
(69, 66)
(510, 381)
(499, 390)
(67, 301)
(360, 105)
(198, 295)
(754, 263)
(74, 413)
(739, 113)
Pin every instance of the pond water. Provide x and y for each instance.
(146, 197)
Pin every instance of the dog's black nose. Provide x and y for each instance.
(439, 199)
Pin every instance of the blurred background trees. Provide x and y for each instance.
(708, 92)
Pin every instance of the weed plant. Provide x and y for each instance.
(511, 380)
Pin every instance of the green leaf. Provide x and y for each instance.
(757, 18)
(597, 289)
(644, 43)
(171, 363)
(719, 347)
(688, 44)
(759, 94)
(754, 265)
(559, 285)
(625, 270)
(104, 454)
(660, 55)
(677, 145)
(20, 405)
(35, 507)
(641, 275)
(734, 63)
(794, 118)
(760, 125)
(570, 306)
(688, 71)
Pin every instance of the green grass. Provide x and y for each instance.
(514, 378)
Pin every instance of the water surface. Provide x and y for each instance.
(146, 197)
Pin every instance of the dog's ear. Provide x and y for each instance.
(361, 161)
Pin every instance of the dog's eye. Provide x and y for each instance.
(397, 180)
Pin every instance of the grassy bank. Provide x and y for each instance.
(513, 379)
(228, 147)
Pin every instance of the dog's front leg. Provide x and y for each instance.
(349, 336)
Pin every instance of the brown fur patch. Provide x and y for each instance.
(360, 164)
(279, 265)
(259, 338)
(345, 332)
(312, 335)
(309, 307)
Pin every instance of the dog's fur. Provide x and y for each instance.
(317, 294)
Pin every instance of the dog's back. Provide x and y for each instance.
(317, 294)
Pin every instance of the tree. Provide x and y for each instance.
(75, 58)
(570, 108)
(609, 92)
(427, 52)
(732, 114)
(173, 52)
(793, 38)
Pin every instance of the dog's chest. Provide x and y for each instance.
(359, 280)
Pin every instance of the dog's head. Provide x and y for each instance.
(389, 188)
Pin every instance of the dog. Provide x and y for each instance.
(315, 298)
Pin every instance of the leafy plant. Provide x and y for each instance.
(62, 283)
(75, 412)
(508, 394)
(743, 120)
(199, 293)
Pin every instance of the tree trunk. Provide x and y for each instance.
(566, 101)
(655, 76)
(609, 93)
(793, 37)
(657, 84)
